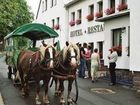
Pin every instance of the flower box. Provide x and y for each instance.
(99, 14)
(110, 11)
(122, 7)
(118, 49)
(72, 23)
(90, 17)
(57, 27)
(78, 21)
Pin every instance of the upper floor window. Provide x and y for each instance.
(73, 16)
(112, 3)
(90, 15)
(99, 13)
(122, 5)
(58, 19)
(53, 23)
(46, 3)
(91, 9)
(53, 3)
(123, 1)
(43, 6)
(72, 21)
(79, 16)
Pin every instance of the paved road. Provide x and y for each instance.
(117, 95)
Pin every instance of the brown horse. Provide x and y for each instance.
(38, 65)
(65, 69)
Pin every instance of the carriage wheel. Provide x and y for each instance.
(9, 72)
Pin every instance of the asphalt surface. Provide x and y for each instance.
(98, 93)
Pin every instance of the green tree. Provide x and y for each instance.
(13, 13)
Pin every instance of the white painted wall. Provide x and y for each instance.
(53, 13)
(123, 61)
(94, 37)
(135, 35)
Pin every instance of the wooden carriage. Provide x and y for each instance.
(22, 38)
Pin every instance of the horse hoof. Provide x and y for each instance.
(62, 101)
(38, 102)
(46, 102)
(69, 100)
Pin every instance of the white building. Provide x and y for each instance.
(102, 23)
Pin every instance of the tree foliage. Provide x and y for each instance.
(13, 13)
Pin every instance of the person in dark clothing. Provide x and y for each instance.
(112, 64)
(82, 67)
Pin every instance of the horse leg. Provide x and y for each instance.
(37, 99)
(69, 91)
(57, 92)
(22, 83)
(61, 88)
(45, 99)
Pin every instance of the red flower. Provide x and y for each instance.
(90, 17)
(99, 14)
(122, 7)
(72, 23)
(57, 26)
(78, 21)
(110, 11)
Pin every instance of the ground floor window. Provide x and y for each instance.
(117, 40)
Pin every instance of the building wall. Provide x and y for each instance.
(135, 36)
(123, 61)
(85, 37)
(52, 13)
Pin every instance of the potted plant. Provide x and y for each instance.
(90, 17)
(122, 7)
(57, 26)
(99, 14)
(109, 11)
(78, 21)
(72, 23)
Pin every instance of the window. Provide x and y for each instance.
(91, 9)
(42, 6)
(79, 13)
(53, 3)
(117, 40)
(112, 3)
(58, 20)
(52, 23)
(128, 48)
(123, 1)
(100, 6)
(79, 16)
(99, 12)
(73, 16)
(46, 3)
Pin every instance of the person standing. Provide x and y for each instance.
(112, 64)
(88, 61)
(83, 66)
(95, 63)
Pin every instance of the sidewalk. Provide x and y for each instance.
(1, 100)
(115, 95)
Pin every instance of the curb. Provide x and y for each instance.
(1, 100)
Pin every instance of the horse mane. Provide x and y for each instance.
(67, 48)
(42, 50)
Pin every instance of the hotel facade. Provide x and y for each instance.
(101, 23)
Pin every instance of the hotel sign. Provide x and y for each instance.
(95, 28)
(76, 33)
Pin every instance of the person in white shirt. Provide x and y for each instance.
(112, 64)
